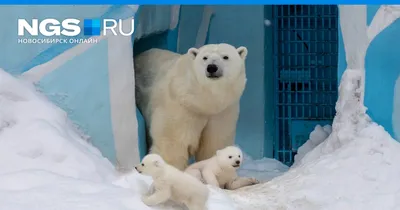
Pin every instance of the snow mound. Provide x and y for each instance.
(356, 167)
(360, 175)
(317, 136)
(44, 190)
(45, 162)
(36, 134)
(264, 169)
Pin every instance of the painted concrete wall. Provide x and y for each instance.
(382, 66)
(98, 74)
(190, 20)
(38, 53)
(269, 80)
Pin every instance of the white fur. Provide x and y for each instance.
(170, 183)
(187, 113)
(220, 170)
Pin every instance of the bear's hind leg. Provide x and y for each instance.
(160, 196)
(240, 182)
(197, 174)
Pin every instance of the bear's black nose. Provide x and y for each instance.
(135, 167)
(237, 162)
(212, 68)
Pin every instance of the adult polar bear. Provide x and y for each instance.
(190, 102)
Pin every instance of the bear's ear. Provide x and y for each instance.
(156, 163)
(242, 52)
(193, 52)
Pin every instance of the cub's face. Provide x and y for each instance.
(216, 62)
(151, 165)
(230, 157)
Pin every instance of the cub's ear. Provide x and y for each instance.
(242, 52)
(193, 52)
(156, 163)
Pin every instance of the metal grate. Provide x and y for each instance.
(305, 68)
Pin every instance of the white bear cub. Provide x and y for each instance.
(220, 170)
(170, 183)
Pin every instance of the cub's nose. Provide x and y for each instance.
(238, 162)
(212, 68)
(135, 167)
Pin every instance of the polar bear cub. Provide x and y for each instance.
(171, 183)
(220, 170)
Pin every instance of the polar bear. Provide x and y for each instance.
(220, 170)
(190, 102)
(171, 183)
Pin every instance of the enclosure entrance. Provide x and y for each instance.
(305, 68)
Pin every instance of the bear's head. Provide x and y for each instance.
(230, 157)
(151, 165)
(218, 62)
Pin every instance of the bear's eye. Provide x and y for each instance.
(230, 157)
(205, 58)
(239, 156)
(142, 164)
(225, 57)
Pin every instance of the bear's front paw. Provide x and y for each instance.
(151, 189)
(253, 181)
(203, 181)
(146, 200)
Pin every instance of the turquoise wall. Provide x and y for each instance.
(382, 70)
(269, 91)
(189, 23)
(93, 116)
(85, 78)
(30, 55)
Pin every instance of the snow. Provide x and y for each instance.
(317, 136)
(355, 167)
(267, 22)
(36, 135)
(45, 163)
(362, 174)
(263, 169)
